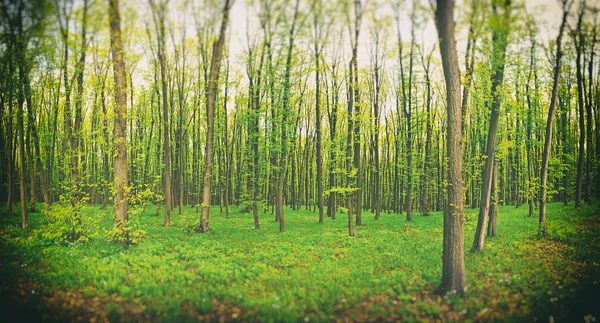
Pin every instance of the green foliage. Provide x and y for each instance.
(126, 232)
(391, 269)
(68, 222)
(470, 216)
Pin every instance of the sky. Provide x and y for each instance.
(546, 12)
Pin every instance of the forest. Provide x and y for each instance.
(299, 160)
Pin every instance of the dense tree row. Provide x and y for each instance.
(328, 106)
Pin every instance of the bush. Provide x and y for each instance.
(67, 223)
(470, 216)
(126, 232)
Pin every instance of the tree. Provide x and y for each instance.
(23, 19)
(319, 38)
(212, 93)
(543, 226)
(588, 111)
(377, 67)
(453, 268)
(529, 118)
(75, 134)
(158, 16)
(285, 116)
(428, 163)
(121, 180)
(579, 44)
(501, 27)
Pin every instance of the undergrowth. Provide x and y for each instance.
(313, 272)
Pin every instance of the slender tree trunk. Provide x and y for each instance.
(227, 160)
(318, 129)
(159, 21)
(284, 120)
(543, 226)
(427, 164)
(36, 140)
(578, 38)
(469, 61)
(10, 183)
(332, 116)
(499, 38)
(348, 161)
(22, 159)
(212, 93)
(529, 126)
(75, 134)
(494, 203)
(105, 165)
(358, 11)
(588, 110)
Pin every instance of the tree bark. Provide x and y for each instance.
(499, 38)
(318, 120)
(158, 12)
(543, 226)
(529, 125)
(453, 267)
(75, 134)
(588, 110)
(579, 43)
(212, 93)
(121, 180)
(494, 203)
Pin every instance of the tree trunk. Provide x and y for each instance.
(106, 170)
(318, 128)
(529, 126)
(499, 38)
(22, 178)
(75, 134)
(121, 180)
(543, 226)
(578, 38)
(358, 11)
(494, 203)
(588, 169)
(212, 93)
(453, 268)
(427, 164)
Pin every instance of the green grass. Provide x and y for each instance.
(312, 272)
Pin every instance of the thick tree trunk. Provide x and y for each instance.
(453, 267)
(121, 180)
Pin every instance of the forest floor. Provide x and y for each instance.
(390, 271)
